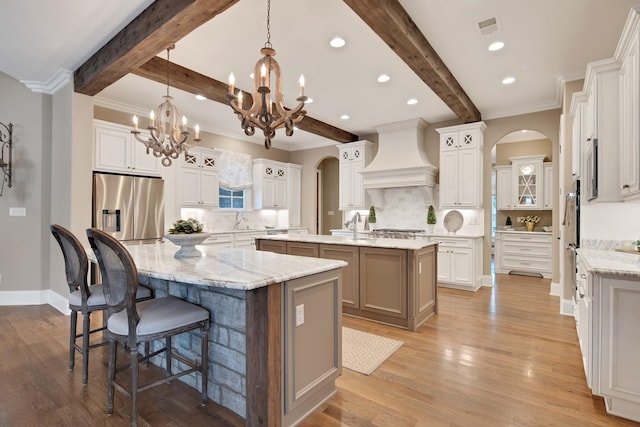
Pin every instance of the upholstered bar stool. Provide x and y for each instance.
(134, 323)
(82, 297)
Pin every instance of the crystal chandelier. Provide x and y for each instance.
(167, 138)
(262, 114)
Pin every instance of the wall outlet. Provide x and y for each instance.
(330, 213)
(299, 314)
(17, 211)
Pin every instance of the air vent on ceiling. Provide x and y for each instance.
(488, 26)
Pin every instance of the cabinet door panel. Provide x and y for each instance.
(462, 266)
(350, 273)
(468, 190)
(383, 275)
(112, 149)
(449, 179)
(444, 265)
(190, 187)
(209, 189)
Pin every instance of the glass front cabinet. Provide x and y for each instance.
(528, 174)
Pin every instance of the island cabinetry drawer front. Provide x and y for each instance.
(526, 264)
(277, 246)
(526, 249)
(526, 238)
(453, 242)
(303, 249)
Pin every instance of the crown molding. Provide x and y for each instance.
(59, 79)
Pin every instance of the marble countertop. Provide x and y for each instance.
(362, 240)
(233, 268)
(599, 261)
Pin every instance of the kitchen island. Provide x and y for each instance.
(275, 341)
(392, 281)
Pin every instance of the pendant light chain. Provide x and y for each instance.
(268, 43)
(168, 50)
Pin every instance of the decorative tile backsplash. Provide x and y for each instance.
(219, 220)
(406, 208)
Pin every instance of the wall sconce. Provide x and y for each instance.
(6, 141)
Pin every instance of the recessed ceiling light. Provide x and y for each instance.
(524, 131)
(201, 97)
(496, 46)
(382, 78)
(508, 80)
(337, 42)
(412, 101)
(344, 117)
(251, 76)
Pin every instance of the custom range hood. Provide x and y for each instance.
(400, 160)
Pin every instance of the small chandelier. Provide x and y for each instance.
(167, 138)
(262, 114)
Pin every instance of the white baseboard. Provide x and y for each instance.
(566, 307)
(555, 289)
(486, 281)
(46, 296)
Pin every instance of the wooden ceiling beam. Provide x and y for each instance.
(389, 20)
(161, 24)
(193, 82)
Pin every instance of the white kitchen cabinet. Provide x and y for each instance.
(217, 240)
(602, 133)
(247, 239)
(607, 315)
(294, 183)
(459, 262)
(547, 185)
(354, 157)
(504, 195)
(578, 107)
(270, 188)
(523, 251)
(461, 166)
(198, 179)
(527, 183)
(629, 113)
(117, 150)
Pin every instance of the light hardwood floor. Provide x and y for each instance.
(501, 356)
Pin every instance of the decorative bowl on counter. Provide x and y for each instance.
(187, 243)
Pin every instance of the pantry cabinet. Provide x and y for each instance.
(198, 179)
(354, 157)
(547, 185)
(270, 188)
(531, 190)
(504, 195)
(461, 166)
(117, 150)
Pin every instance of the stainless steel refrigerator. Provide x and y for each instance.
(130, 208)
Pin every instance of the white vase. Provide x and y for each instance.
(430, 228)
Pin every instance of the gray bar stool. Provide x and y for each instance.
(132, 323)
(82, 297)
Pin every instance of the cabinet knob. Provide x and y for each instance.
(625, 186)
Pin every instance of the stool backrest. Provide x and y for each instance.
(119, 274)
(76, 263)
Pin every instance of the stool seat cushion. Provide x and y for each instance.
(158, 315)
(97, 296)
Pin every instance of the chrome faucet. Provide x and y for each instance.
(355, 217)
(238, 220)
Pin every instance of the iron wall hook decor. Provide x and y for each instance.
(6, 141)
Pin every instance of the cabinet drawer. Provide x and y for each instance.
(526, 238)
(526, 264)
(220, 240)
(453, 242)
(529, 249)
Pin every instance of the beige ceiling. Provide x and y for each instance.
(547, 42)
